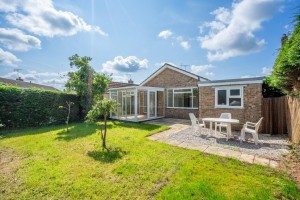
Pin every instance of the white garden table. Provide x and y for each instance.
(221, 120)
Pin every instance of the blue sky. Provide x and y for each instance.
(216, 39)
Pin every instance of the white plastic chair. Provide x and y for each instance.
(252, 128)
(221, 125)
(196, 125)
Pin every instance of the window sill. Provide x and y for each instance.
(183, 108)
(229, 107)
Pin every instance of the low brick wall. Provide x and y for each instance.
(252, 105)
(180, 113)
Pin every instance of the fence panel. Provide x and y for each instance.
(282, 116)
(293, 119)
(274, 113)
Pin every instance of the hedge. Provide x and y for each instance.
(20, 107)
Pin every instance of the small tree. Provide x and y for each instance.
(102, 108)
(88, 84)
(68, 108)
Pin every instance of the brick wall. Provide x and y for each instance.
(169, 78)
(252, 105)
(180, 113)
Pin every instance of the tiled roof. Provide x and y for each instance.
(120, 84)
(24, 84)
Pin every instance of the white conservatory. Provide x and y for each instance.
(138, 103)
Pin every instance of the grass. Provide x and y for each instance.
(53, 164)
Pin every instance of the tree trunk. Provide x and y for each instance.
(104, 136)
(69, 110)
(89, 91)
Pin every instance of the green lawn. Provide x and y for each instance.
(50, 163)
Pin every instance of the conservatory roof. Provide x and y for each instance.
(139, 88)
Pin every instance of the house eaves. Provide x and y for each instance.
(240, 81)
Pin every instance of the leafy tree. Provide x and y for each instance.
(269, 90)
(286, 72)
(88, 84)
(102, 108)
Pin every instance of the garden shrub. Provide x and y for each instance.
(286, 71)
(20, 107)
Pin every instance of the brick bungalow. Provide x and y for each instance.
(22, 84)
(172, 92)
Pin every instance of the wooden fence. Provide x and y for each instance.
(282, 116)
(293, 119)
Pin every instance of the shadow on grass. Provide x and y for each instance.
(76, 132)
(135, 125)
(109, 156)
(33, 130)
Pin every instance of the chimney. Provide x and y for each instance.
(284, 38)
(130, 81)
(19, 79)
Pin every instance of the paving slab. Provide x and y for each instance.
(216, 151)
(153, 137)
(173, 142)
(201, 148)
(247, 158)
(232, 154)
(261, 161)
(183, 145)
(274, 164)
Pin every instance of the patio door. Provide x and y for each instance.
(152, 104)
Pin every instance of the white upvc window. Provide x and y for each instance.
(182, 98)
(229, 97)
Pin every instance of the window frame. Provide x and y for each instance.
(228, 96)
(173, 95)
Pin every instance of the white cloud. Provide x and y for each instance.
(128, 64)
(56, 80)
(200, 69)
(41, 18)
(8, 59)
(14, 39)
(266, 71)
(185, 45)
(247, 76)
(8, 5)
(209, 74)
(231, 33)
(179, 39)
(222, 14)
(165, 34)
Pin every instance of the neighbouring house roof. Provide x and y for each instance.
(24, 84)
(232, 81)
(168, 66)
(120, 84)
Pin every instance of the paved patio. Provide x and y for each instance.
(268, 153)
